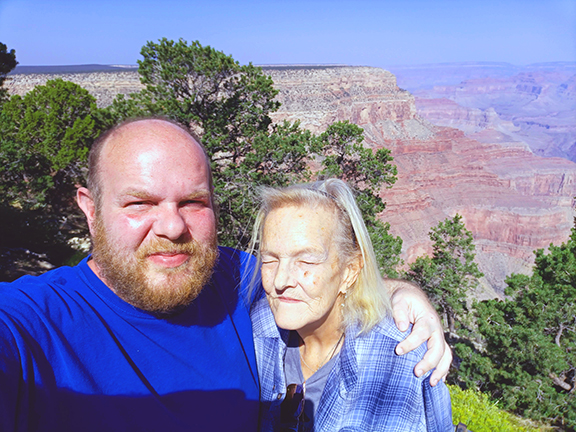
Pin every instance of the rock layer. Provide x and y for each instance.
(512, 200)
(104, 86)
(536, 107)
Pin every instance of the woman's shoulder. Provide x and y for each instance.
(380, 342)
(387, 328)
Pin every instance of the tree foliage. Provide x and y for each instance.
(229, 106)
(199, 85)
(44, 141)
(450, 273)
(7, 63)
(528, 359)
(344, 156)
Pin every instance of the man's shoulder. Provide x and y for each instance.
(234, 266)
(234, 257)
(60, 276)
(38, 292)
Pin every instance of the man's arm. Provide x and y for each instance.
(411, 305)
(10, 380)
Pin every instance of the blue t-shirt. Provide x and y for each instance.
(76, 357)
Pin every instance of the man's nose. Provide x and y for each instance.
(170, 223)
(284, 277)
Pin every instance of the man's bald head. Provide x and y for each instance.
(114, 137)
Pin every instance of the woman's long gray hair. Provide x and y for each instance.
(368, 300)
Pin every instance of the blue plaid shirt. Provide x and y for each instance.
(370, 388)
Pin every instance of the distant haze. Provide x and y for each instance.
(412, 77)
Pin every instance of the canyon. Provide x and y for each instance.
(535, 104)
(512, 200)
(454, 155)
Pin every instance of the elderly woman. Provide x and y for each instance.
(323, 335)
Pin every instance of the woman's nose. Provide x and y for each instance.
(284, 277)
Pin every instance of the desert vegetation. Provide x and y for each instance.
(520, 351)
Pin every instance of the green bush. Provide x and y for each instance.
(480, 414)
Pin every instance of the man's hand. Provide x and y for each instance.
(410, 305)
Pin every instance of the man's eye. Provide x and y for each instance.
(196, 202)
(136, 204)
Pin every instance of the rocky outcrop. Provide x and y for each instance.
(446, 112)
(536, 106)
(512, 200)
(368, 97)
(104, 86)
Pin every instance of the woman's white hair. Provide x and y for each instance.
(368, 300)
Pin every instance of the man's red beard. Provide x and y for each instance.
(138, 282)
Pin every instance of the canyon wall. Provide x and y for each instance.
(512, 200)
(535, 106)
(104, 86)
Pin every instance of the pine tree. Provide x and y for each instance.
(528, 358)
(450, 273)
(228, 105)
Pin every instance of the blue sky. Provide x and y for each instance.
(357, 32)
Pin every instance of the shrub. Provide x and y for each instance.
(480, 414)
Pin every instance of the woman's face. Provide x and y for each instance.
(301, 272)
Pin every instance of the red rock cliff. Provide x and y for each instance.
(513, 201)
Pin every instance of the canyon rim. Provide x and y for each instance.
(513, 200)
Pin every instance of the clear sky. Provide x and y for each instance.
(356, 32)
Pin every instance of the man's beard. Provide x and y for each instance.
(138, 282)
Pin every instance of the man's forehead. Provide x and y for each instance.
(152, 151)
(145, 134)
(134, 144)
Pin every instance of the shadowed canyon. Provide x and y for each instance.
(494, 143)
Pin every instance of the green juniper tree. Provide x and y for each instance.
(528, 358)
(450, 273)
(228, 105)
(44, 141)
(194, 84)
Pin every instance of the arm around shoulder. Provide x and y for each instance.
(411, 305)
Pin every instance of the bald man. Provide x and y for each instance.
(151, 331)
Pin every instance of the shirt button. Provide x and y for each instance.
(279, 396)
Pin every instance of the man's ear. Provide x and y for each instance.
(87, 205)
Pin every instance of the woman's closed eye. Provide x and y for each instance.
(309, 262)
(268, 260)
